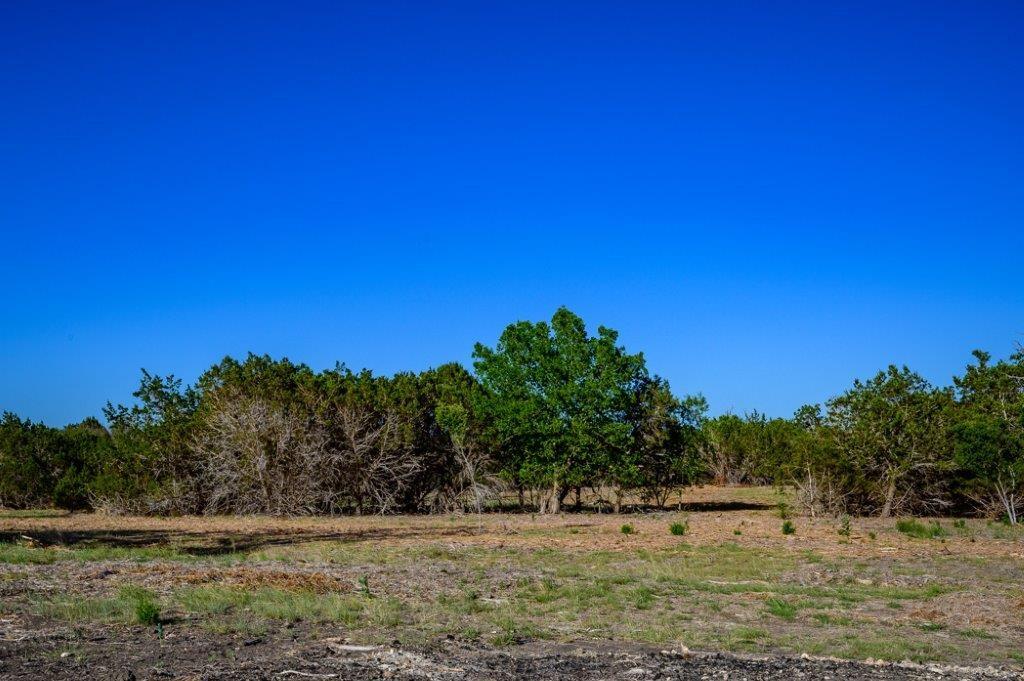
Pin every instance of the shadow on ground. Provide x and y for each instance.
(217, 543)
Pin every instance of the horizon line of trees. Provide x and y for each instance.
(548, 412)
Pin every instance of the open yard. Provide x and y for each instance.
(262, 597)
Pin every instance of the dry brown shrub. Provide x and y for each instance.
(248, 578)
(931, 615)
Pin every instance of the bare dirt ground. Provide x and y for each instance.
(510, 596)
(200, 657)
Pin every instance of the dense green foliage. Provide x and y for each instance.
(548, 411)
(570, 410)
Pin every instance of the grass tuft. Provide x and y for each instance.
(141, 603)
(781, 608)
(914, 528)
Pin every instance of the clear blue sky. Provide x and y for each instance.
(768, 199)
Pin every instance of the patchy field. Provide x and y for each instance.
(87, 592)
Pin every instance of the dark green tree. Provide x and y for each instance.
(666, 453)
(558, 401)
(893, 428)
(989, 432)
(151, 441)
(26, 462)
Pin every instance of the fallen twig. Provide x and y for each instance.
(348, 648)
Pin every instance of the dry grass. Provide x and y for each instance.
(586, 532)
(503, 578)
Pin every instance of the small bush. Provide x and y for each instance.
(737, 532)
(788, 527)
(960, 523)
(70, 492)
(679, 529)
(844, 527)
(914, 528)
(142, 603)
(147, 612)
(784, 510)
(626, 529)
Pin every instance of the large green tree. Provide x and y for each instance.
(27, 451)
(558, 401)
(668, 442)
(989, 433)
(43, 466)
(893, 428)
(151, 454)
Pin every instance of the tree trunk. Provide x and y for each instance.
(890, 497)
(617, 506)
(1009, 499)
(555, 502)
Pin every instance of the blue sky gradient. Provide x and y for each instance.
(768, 199)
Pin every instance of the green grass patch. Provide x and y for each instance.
(19, 554)
(467, 602)
(890, 649)
(912, 527)
(131, 605)
(277, 604)
(781, 608)
(143, 604)
(642, 598)
(746, 638)
(975, 633)
(511, 630)
(33, 513)
(830, 620)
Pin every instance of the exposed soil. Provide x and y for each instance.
(454, 579)
(99, 655)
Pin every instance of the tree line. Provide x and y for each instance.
(548, 415)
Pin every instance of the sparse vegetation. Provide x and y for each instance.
(130, 605)
(448, 575)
